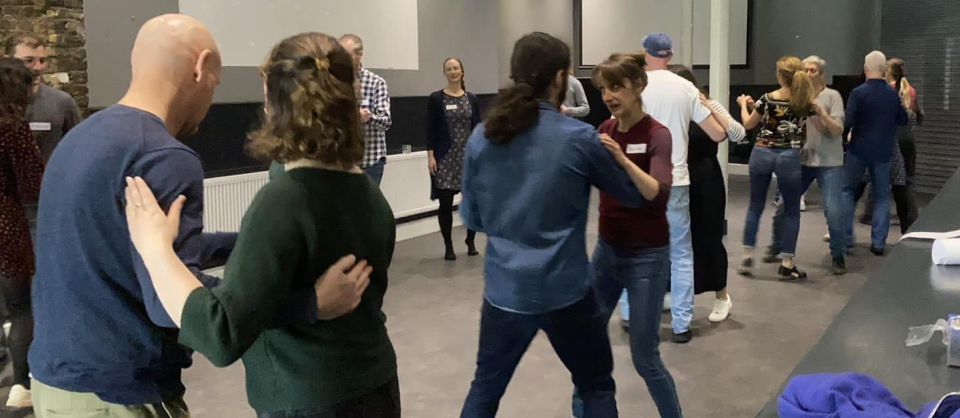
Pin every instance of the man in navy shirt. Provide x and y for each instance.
(873, 114)
(103, 341)
(527, 176)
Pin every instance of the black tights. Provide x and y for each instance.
(16, 295)
(445, 217)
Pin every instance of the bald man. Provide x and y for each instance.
(102, 340)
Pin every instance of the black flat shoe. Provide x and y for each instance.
(449, 254)
(472, 249)
(746, 267)
(791, 273)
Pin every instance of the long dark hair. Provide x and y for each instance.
(310, 110)
(16, 82)
(536, 59)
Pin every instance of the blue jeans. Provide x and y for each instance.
(681, 259)
(681, 262)
(853, 169)
(375, 171)
(830, 180)
(644, 275)
(578, 334)
(785, 163)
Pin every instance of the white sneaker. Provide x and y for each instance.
(667, 302)
(721, 310)
(803, 203)
(826, 237)
(19, 397)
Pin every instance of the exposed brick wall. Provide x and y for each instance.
(60, 22)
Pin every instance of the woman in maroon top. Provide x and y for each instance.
(20, 173)
(633, 250)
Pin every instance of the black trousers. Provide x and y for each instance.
(382, 402)
(903, 196)
(16, 297)
(445, 217)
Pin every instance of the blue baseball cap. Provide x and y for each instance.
(658, 44)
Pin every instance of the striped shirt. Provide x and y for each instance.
(375, 97)
(735, 131)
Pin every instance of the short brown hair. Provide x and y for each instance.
(28, 39)
(311, 110)
(620, 67)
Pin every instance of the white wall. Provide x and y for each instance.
(519, 17)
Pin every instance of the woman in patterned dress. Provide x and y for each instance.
(451, 115)
(20, 173)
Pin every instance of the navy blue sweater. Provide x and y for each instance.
(873, 114)
(438, 133)
(99, 326)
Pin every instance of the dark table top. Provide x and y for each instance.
(907, 289)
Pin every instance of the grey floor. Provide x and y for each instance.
(728, 370)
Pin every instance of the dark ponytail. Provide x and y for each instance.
(536, 59)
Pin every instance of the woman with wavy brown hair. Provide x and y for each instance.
(321, 209)
(20, 172)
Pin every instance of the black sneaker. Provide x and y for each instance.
(876, 251)
(772, 257)
(791, 273)
(683, 337)
(746, 267)
(839, 266)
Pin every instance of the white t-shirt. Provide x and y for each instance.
(674, 102)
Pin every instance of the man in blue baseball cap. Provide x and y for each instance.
(658, 45)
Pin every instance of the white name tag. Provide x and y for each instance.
(365, 102)
(636, 148)
(40, 126)
(451, 107)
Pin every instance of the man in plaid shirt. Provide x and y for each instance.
(374, 110)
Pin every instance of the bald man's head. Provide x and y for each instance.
(176, 57)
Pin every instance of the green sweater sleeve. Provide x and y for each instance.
(224, 322)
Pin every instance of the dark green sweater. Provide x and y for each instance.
(297, 226)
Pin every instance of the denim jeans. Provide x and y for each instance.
(578, 334)
(644, 274)
(830, 180)
(382, 402)
(853, 169)
(785, 163)
(375, 171)
(681, 262)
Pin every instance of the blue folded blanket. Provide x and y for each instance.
(848, 395)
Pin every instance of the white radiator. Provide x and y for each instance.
(406, 185)
(225, 200)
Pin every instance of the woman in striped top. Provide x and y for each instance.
(708, 202)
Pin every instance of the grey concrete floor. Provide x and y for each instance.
(728, 370)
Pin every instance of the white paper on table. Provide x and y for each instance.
(931, 235)
(946, 251)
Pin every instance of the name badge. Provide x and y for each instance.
(636, 148)
(40, 126)
(365, 102)
(451, 107)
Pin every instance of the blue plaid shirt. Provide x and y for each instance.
(375, 96)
